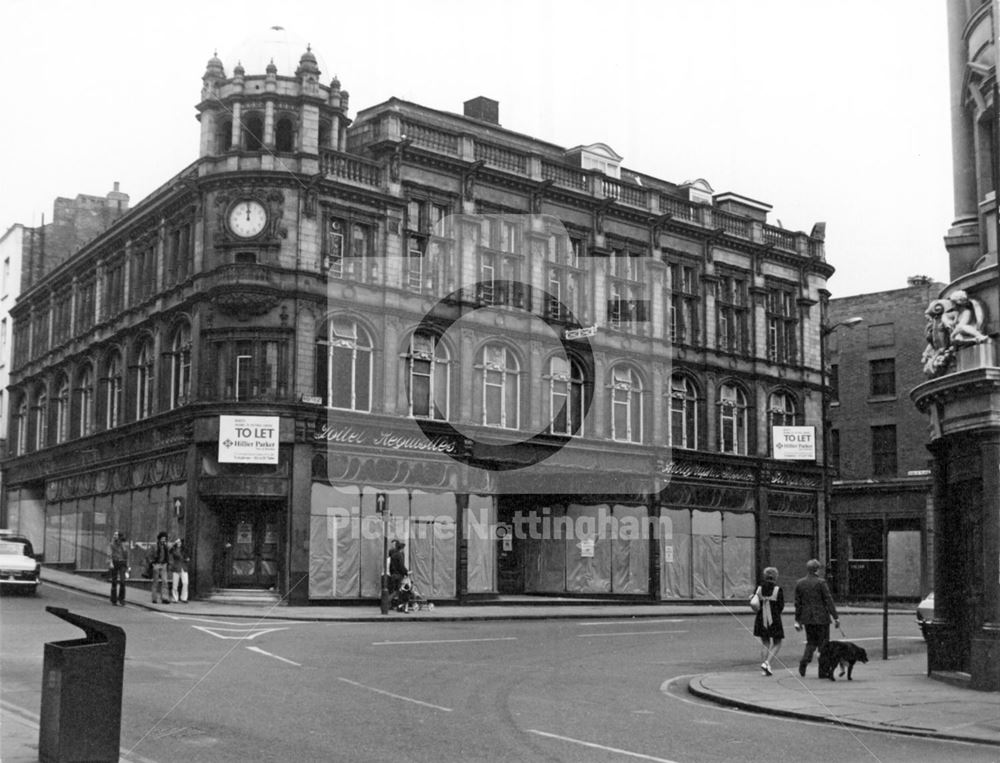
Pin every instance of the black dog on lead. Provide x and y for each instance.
(842, 653)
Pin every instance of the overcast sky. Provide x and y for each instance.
(829, 110)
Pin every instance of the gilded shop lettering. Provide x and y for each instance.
(349, 435)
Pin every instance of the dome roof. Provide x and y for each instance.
(284, 47)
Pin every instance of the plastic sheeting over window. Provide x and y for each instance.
(588, 549)
(706, 554)
(347, 541)
(480, 534)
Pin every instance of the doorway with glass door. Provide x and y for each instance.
(250, 533)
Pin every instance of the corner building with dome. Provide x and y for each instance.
(548, 373)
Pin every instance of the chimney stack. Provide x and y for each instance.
(484, 109)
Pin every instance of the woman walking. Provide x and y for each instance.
(767, 625)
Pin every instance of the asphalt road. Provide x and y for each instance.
(216, 690)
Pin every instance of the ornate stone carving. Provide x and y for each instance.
(952, 322)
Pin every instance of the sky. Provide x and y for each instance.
(828, 110)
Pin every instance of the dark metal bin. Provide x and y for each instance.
(81, 714)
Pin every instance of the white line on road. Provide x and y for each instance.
(243, 634)
(268, 654)
(638, 755)
(634, 621)
(394, 696)
(630, 633)
(445, 641)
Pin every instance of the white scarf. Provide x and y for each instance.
(765, 606)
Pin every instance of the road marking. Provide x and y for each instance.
(628, 633)
(246, 634)
(634, 621)
(618, 750)
(446, 641)
(268, 654)
(395, 696)
(235, 623)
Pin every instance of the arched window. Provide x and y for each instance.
(180, 366)
(144, 380)
(325, 133)
(501, 388)
(683, 412)
(566, 398)
(344, 365)
(626, 404)
(41, 422)
(284, 135)
(253, 132)
(732, 419)
(21, 426)
(781, 410)
(85, 401)
(113, 390)
(428, 377)
(62, 410)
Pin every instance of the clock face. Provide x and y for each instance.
(247, 218)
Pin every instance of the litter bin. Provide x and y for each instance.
(81, 713)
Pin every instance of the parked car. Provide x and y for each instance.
(925, 612)
(18, 567)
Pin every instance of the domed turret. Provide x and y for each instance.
(307, 64)
(271, 69)
(214, 68)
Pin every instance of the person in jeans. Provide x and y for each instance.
(118, 565)
(159, 558)
(178, 568)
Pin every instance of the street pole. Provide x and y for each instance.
(885, 585)
(382, 507)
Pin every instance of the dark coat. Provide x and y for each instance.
(777, 630)
(813, 602)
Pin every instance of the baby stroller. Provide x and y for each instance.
(409, 599)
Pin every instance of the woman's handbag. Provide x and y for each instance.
(755, 601)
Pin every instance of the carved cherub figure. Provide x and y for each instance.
(965, 319)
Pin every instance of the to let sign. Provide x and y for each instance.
(248, 439)
(793, 443)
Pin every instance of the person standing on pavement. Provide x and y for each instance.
(118, 566)
(767, 625)
(397, 574)
(178, 568)
(814, 608)
(159, 558)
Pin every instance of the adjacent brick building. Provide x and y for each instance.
(879, 462)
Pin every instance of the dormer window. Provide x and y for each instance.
(597, 156)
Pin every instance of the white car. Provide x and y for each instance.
(925, 612)
(18, 567)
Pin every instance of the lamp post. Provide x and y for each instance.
(825, 331)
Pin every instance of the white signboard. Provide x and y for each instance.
(248, 439)
(793, 443)
(581, 333)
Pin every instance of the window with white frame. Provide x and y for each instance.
(782, 325)
(144, 380)
(566, 396)
(344, 365)
(428, 377)
(85, 401)
(41, 418)
(21, 426)
(683, 412)
(501, 393)
(626, 404)
(733, 311)
(781, 410)
(112, 390)
(732, 419)
(682, 310)
(180, 366)
(62, 410)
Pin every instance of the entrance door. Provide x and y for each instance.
(251, 534)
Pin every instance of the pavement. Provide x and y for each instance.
(894, 695)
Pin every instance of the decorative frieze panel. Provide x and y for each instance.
(115, 479)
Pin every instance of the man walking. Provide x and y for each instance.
(813, 608)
